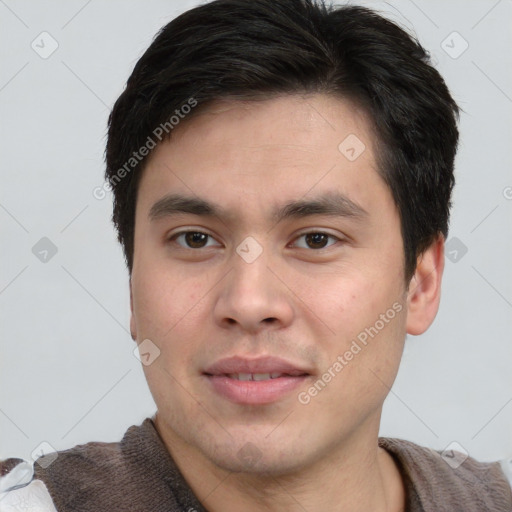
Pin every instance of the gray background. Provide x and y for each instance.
(68, 373)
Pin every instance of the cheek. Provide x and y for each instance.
(348, 302)
(367, 321)
(164, 302)
(169, 314)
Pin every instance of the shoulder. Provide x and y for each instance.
(20, 491)
(452, 477)
(136, 473)
(78, 470)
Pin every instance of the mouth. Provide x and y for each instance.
(255, 381)
(261, 376)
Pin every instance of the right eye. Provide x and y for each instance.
(191, 239)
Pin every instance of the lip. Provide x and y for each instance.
(264, 364)
(251, 392)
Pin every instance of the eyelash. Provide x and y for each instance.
(175, 236)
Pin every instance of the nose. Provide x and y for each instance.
(253, 296)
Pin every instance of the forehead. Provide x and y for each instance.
(298, 122)
(265, 151)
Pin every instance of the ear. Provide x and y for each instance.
(133, 327)
(424, 291)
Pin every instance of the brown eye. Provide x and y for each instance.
(195, 239)
(316, 240)
(191, 239)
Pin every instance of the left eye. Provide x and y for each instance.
(317, 240)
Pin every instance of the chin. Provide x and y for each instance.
(257, 457)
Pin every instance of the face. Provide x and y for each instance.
(269, 273)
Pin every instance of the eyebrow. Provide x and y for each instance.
(332, 204)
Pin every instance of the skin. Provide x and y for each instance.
(296, 301)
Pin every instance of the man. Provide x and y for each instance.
(282, 174)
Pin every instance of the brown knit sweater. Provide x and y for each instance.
(139, 475)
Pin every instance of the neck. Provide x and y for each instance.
(357, 476)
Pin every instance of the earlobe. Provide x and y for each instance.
(425, 288)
